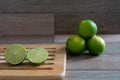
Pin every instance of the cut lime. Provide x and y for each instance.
(15, 54)
(37, 55)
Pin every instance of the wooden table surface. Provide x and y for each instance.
(84, 67)
(102, 67)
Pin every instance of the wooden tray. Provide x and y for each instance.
(52, 69)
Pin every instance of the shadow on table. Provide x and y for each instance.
(85, 55)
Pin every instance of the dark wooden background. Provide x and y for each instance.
(42, 17)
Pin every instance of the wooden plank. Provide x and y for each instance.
(68, 24)
(61, 38)
(59, 6)
(109, 60)
(112, 48)
(92, 75)
(26, 39)
(87, 62)
(26, 24)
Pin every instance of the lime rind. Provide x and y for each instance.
(15, 54)
(37, 56)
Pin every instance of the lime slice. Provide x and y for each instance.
(15, 54)
(37, 55)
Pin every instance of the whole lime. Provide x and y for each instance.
(75, 44)
(87, 28)
(96, 45)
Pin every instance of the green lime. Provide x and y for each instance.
(96, 45)
(37, 55)
(15, 54)
(75, 44)
(87, 28)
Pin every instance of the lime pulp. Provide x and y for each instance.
(15, 54)
(37, 55)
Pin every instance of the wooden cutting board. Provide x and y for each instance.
(52, 69)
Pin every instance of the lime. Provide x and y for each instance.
(87, 28)
(75, 44)
(37, 55)
(15, 54)
(96, 45)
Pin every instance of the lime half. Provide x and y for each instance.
(37, 55)
(15, 54)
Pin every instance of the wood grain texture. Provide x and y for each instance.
(107, 23)
(26, 24)
(109, 60)
(31, 39)
(105, 12)
(93, 75)
(59, 6)
(61, 38)
(87, 62)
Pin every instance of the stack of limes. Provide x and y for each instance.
(86, 39)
